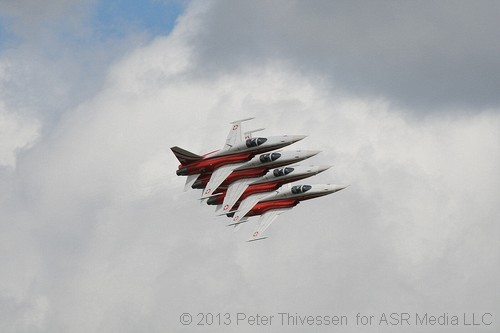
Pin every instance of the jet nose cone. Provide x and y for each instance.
(310, 153)
(340, 187)
(295, 138)
(332, 188)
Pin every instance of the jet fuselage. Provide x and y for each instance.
(258, 166)
(287, 198)
(273, 181)
(237, 154)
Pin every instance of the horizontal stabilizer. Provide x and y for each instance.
(190, 179)
(184, 156)
(217, 208)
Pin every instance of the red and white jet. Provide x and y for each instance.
(236, 177)
(237, 149)
(271, 205)
(243, 188)
(256, 167)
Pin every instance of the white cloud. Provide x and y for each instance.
(16, 133)
(97, 234)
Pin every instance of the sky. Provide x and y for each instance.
(97, 234)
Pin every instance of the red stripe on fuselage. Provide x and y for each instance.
(262, 207)
(247, 173)
(234, 176)
(267, 187)
(261, 188)
(210, 164)
(305, 196)
(252, 189)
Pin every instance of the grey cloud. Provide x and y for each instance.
(30, 19)
(422, 55)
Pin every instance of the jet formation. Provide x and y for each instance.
(252, 176)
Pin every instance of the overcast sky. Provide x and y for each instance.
(97, 235)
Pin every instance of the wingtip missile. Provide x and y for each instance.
(241, 120)
(256, 239)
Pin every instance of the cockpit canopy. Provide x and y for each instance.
(282, 171)
(300, 188)
(265, 158)
(255, 142)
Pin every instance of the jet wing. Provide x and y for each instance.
(265, 221)
(234, 192)
(218, 176)
(246, 206)
(235, 135)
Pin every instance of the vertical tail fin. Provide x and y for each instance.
(234, 136)
(184, 156)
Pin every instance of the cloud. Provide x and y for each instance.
(54, 58)
(31, 19)
(16, 134)
(428, 57)
(97, 234)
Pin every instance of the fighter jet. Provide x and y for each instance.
(256, 167)
(271, 205)
(236, 150)
(236, 178)
(243, 188)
